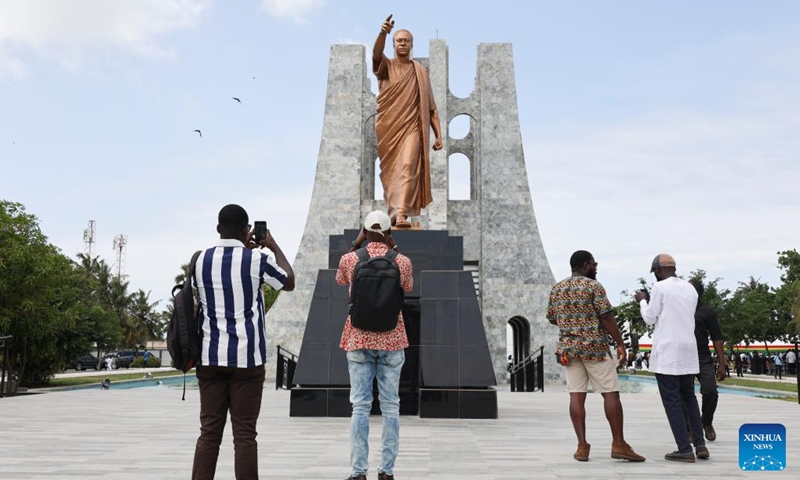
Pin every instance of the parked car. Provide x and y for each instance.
(125, 358)
(85, 361)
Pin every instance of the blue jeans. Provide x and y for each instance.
(366, 365)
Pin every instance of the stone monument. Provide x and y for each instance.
(502, 248)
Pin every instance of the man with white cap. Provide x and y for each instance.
(674, 359)
(374, 350)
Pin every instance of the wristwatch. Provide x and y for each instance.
(354, 245)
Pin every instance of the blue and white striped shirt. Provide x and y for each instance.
(228, 278)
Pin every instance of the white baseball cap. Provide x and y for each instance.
(377, 218)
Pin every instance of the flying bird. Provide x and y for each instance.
(199, 132)
(237, 100)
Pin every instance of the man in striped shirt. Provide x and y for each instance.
(229, 278)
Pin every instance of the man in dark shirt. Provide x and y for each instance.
(705, 326)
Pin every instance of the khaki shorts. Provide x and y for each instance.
(602, 374)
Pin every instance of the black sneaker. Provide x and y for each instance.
(385, 476)
(676, 456)
(359, 477)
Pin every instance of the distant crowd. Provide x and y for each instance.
(760, 363)
(755, 363)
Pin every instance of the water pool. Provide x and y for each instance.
(162, 382)
(641, 384)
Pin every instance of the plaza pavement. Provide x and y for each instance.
(149, 434)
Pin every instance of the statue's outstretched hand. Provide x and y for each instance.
(388, 25)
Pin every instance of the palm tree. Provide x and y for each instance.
(143, 314)
(181, 277)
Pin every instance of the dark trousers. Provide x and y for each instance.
(708, 389)
(677, 395)
(777, 371)
(239, 391)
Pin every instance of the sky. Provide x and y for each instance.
(647, 127)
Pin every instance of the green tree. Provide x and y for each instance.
(734, 329)
(143, 315)
(628, 315)
(39, 299)
(270, 297)
(754, 305)
(788, 294)
(713, 296)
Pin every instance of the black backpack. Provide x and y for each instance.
(376, 296)
(183, 336)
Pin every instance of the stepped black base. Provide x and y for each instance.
(335, 402)
(448, 369)
(458, 403)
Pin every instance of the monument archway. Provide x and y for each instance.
(520, 338)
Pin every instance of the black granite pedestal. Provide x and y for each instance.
(448, 370)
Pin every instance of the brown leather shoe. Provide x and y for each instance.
(702, 453)
(582, 454)
(623, 451)
(711, 434)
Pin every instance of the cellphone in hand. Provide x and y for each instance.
(261, 231)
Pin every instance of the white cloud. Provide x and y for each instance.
(295, 10)
(66, 30)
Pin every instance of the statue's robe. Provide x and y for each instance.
(405, 103)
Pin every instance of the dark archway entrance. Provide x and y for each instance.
(520, 346)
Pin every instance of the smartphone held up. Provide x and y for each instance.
(260, 231)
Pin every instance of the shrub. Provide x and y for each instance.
(152, 362)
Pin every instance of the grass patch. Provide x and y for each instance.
(65, 382)
(744, 382)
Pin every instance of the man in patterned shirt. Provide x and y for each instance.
(579, 307)
(373, 355)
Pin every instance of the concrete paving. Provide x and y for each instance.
(149, 434)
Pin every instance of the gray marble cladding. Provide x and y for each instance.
(498, 223)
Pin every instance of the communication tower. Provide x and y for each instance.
(89, 239)
(120, 248)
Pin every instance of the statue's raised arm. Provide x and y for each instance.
(380, 42)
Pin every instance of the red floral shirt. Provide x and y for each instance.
(356, 339)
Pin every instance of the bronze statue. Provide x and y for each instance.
(406, 109)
